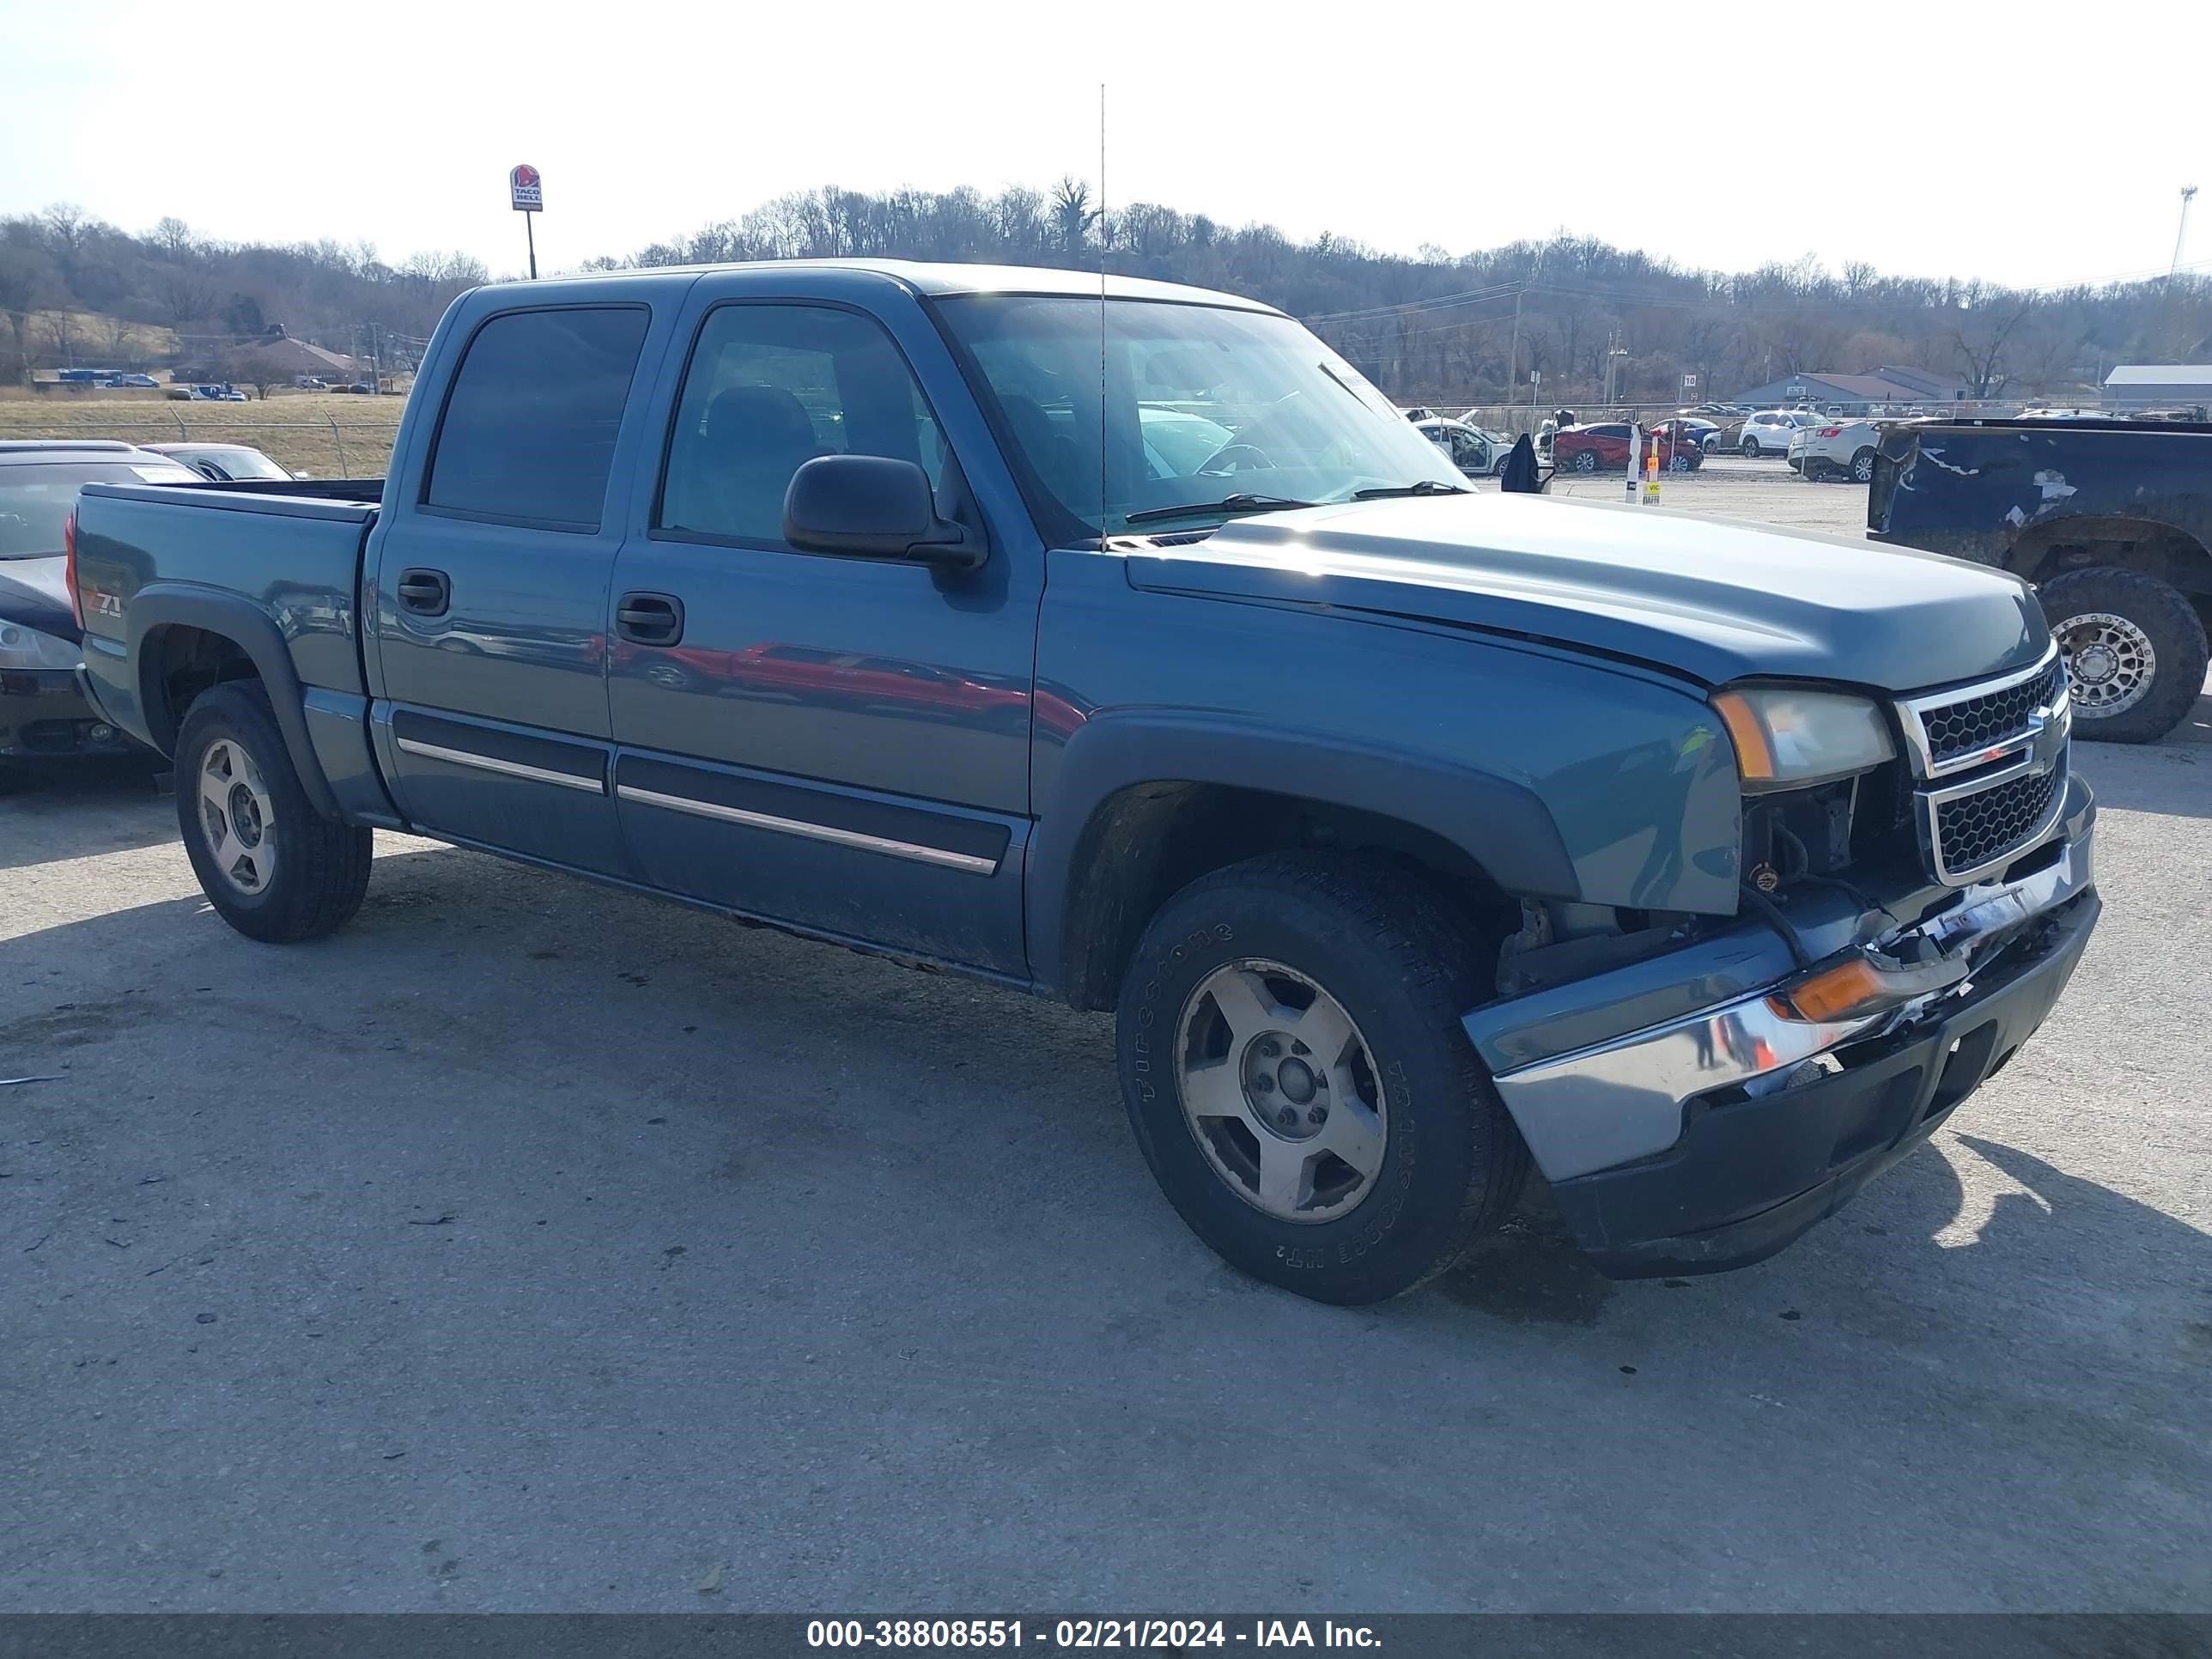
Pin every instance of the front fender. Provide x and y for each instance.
(1501, 823)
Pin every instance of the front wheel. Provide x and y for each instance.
(1862, 467)
(1679, 463)
(1750, 449)
(2134, 652)
(273, 867)
(1292, 1061)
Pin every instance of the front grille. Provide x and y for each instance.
(1961, 728)
(1979, 828)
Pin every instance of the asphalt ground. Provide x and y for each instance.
(531, 1246)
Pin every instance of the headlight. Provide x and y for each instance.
(26, 647)
(1786, 738)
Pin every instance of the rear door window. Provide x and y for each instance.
(529, 428)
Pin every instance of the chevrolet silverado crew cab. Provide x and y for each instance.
(1413, 837)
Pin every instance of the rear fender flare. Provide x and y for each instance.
(253, 630)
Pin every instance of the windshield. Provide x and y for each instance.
(234, 463)
(35, 501)
(1201, 405)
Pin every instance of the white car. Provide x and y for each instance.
(1478, 454)
(1769, 432)
(1835, 449)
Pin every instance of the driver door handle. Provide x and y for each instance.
(650, 618)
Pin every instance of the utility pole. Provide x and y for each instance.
(2188, 195)
(1513, 356)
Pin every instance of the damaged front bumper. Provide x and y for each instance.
(1711, 1140)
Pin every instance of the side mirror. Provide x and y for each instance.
(872, 506)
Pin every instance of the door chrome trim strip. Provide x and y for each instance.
(508, 768)
(903, 849)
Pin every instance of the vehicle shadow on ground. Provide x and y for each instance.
(2062, 1234)
(55, 810)
(2043, 1249)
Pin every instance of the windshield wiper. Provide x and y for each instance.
(1418, 487)
(1242, 502)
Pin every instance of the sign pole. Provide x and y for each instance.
(530, 234)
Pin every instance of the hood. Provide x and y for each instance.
(34, 594)
(1707, 598)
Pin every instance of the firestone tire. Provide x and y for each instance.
(1379, 949)
(2090, 610)
(272, 866)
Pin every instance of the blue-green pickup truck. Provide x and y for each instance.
(1131, 649)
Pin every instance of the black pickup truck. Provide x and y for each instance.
(2112, 521)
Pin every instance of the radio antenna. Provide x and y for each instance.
(1105, 230)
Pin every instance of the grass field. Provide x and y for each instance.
(329, 434)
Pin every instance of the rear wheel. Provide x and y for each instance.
(1293, 1065)
(273, 867)
(1750, 447)
(2134, 652)
(1586, 460)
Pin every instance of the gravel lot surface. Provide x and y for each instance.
(531, 1246)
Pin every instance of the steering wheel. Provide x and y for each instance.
(1236, 458)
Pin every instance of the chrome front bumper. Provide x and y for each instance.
(1622, 1100)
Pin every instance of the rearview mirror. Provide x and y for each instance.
(872, 506)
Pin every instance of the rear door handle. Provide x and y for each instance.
(425, 592)
(650, 618)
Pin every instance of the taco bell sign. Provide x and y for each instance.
(527, 189)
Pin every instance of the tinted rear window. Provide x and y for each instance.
(35, 501)
(529, 427)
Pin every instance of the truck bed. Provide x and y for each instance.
(158, 556)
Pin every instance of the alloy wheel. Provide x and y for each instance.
(238, 815)
(2110, 662)
(1281, 1092)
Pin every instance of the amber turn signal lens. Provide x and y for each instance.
(1755, 756)
(1833, 994)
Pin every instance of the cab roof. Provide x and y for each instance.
(941, 281)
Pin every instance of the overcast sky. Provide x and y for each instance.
(2030, 143)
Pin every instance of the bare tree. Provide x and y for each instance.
(184, 298)
(61, 328)
(1981, 333)
(18, 287)
(257, 369)
(1072, 212)
(174, 238)
(114, 339)
(66, 225)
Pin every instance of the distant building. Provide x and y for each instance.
(276, 355)
(2134, 387)
(1855, 394)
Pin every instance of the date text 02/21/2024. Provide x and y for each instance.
(1083, 1633)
